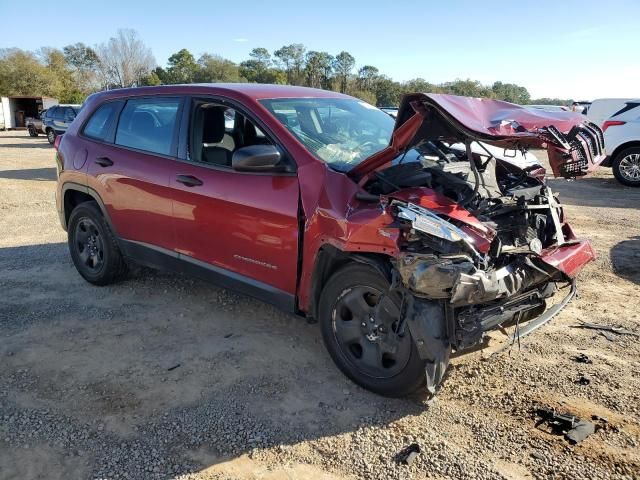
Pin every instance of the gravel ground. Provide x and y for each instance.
(164, 377)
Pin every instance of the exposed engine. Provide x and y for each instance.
(506, 199)
(441, 259)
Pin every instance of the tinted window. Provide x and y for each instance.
(148, 124)
(58, 113)
(99, 124)
(69, 113)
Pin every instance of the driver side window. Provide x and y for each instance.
(217, 131)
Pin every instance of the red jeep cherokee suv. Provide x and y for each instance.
(402, 247)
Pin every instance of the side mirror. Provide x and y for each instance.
(259, 158)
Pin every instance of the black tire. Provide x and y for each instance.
(620, 166)
(405, 375)
(51, 136)
(32, 131)
(93, 246)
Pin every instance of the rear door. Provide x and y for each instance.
(243, 225)
(129, 165)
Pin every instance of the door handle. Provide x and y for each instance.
(104, 161)
(189, 180)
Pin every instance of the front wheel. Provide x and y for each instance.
(361, 330)
(51, 136)
(626, 167)
(32, 131)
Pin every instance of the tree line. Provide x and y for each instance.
(78, 70)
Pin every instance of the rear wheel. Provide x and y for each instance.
(626, 167)
(93, 247)
(359, 322)
(32, 131)
(51, 136)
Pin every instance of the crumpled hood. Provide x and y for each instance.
(575, 145)
(500, 122)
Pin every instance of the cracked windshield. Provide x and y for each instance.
(340, 132)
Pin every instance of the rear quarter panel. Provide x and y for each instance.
(71, 164)
(618, 135)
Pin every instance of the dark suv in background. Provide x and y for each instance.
(56, 120)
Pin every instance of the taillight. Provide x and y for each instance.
(611, 123)
(56, 143)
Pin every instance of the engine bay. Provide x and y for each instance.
(514, 203)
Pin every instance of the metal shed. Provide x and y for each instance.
(15, 110)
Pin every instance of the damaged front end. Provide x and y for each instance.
(456, 293)
(483, 244)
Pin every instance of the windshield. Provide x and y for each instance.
(340, 132)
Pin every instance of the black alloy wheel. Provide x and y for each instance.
(89, 245)
(93, 246)
(361, 328)
(367, 335)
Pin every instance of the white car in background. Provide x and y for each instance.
(580, 107)
(619, 119)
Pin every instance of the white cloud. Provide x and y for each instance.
(240, 40)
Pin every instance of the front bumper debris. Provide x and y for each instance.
(451, 304)
(457, 279)
(427, 324)
(482, 287)
(569, 258)
(436, 328)
(536, 323)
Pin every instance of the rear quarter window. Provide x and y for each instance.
(148, 124)
(101, 121)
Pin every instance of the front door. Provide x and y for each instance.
(241, 224)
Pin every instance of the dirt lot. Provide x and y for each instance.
(165, 377)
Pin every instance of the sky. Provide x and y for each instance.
(564, 48)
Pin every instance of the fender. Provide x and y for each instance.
(88, 191)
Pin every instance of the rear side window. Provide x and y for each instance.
(148, 124)
(99, 125)
(58, 113)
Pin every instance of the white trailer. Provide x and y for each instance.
(4, 107)
(14, 110)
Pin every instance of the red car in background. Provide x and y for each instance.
(402, 248)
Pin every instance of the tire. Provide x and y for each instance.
(32, 132)
(626, 167)
(51, 136)
(93, 246)
(341, 302)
